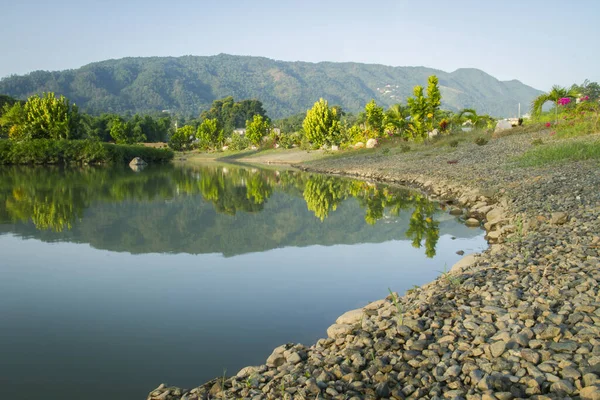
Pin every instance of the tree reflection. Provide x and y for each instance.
(55, 199)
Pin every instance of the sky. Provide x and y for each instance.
(540, 43)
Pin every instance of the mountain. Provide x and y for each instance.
(189, 84)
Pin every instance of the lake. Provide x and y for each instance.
(114, 281)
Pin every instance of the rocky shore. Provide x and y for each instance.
(521, 320)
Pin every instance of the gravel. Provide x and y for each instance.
(521, 320)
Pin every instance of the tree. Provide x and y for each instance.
(182, 138)
(395, 117)
(322, 124)
(434, 100)
(124, 132)
(257, 129)
(210, 133)
(478, 121)
(554, 96)
(42, 117)
(587, 88)
(418, 113)
(374, 117)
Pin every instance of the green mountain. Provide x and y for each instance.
(189, 84)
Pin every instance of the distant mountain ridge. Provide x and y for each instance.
(189, 84)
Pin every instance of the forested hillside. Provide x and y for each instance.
(189, 84)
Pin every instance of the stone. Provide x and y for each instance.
(559, 218)
(335, 147)
(432, 134)
(531, 356)
(472, 222)
(247, 371)
(351, 317)
(336, 331)
(497, 348)
(371, 143)
(456, 211)
(590, 393)
(495, 214)
(359, 145)
(294, 358)
(138, 161)
(503, 125)
(562, 387)
(225, 148)
(277, 358)
(463, 263)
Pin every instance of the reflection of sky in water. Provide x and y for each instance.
(100, 324)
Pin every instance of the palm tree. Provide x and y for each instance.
(396, 115)
(557, 93)
(478, 121)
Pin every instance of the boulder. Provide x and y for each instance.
(432, 134)
(472, 222)
(371, 143)
(335, 148)
(503, 125)
(359, 145)
(137, 161)
(225, 148)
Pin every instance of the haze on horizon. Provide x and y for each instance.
(540, 43)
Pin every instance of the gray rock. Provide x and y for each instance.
(559, 218)
(497, 348)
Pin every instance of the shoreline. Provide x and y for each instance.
(520, 320)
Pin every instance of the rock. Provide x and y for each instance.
(294, 358)
(351, 317)
(277, 358)
(559, 218)
(497, 348)
(247, 371)
(590, 393)
(138, 161)
(460, 252)
(464, 262)
(456, 211)
(562, 387)
(371, 143)
(359, 145)
(472, 222)
(225, 148)
(495, 214)
(335, 147)
(502, 125)
(336, 331)
(432, 134)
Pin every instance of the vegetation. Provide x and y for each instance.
(257, 128)
(555, 95)
(560, 152)
(322, 124)
(188, 85)
(49, 151)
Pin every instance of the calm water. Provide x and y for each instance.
(113, 281)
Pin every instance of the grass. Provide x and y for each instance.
(560, 152)
(397, 305)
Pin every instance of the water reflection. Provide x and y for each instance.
(54, 201)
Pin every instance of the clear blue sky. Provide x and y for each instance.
(538, 42)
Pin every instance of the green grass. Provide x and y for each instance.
(560, 152)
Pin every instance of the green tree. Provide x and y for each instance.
(322, 124)
(419, 108)
(434, 100)
(554, 95)
(182, 138)
(374, 117)
(395, 118)
(42, 117)
(126, 132)
(210, 133)
(256, 129)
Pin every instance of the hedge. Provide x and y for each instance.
(48, 151)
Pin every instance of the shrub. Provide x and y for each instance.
(288, 141)
(238, 142)
(453, 143)
(49, 151)
(537, 142)
(404, 148)
(481, 141)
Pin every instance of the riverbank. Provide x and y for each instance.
(521, 320)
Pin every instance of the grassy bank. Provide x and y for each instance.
(47, 151)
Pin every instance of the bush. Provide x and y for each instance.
(404, 148)
(288, 141)
(453, 143)
(537, 142)
(481, 141)
(49, 151)
(238, 142)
